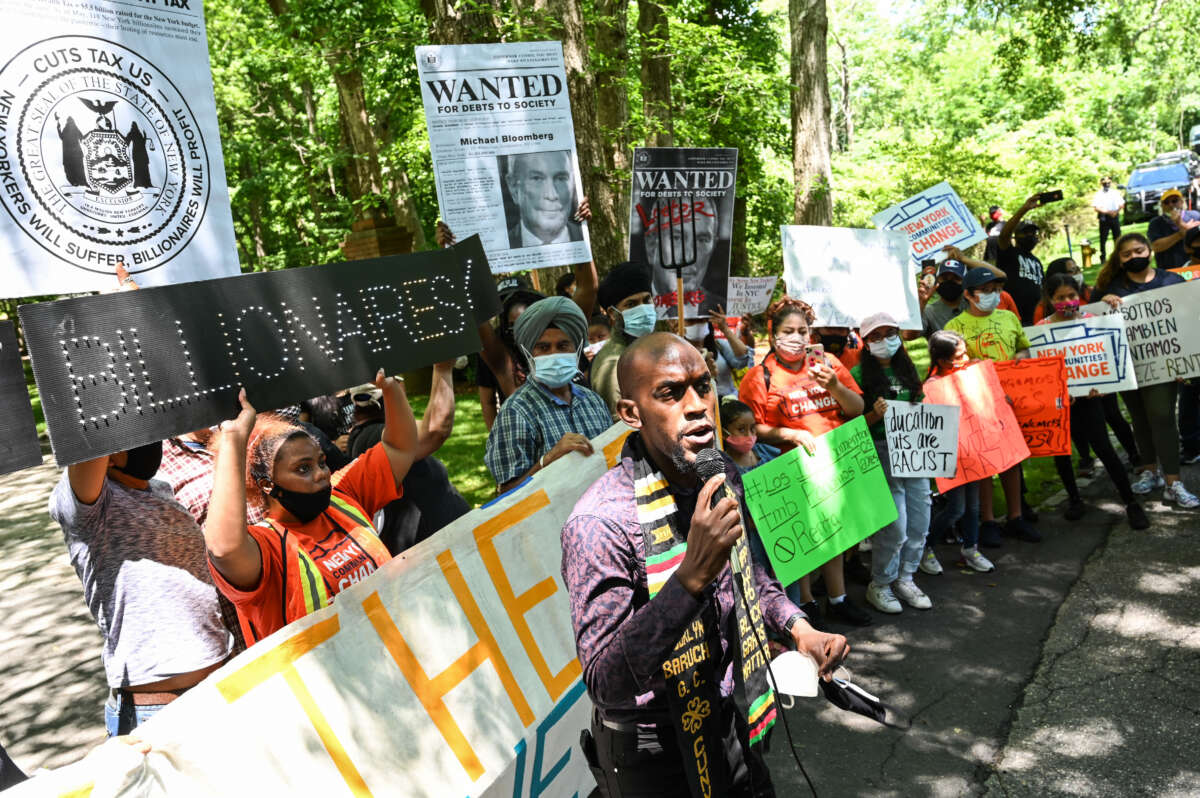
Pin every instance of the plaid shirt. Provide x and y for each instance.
(533, 420)
(188, 468)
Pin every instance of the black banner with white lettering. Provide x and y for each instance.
(19, 447)
(119, 370)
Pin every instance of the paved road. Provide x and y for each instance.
(1072, 670)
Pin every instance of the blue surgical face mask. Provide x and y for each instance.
(555, 371)
(639, 320)
(988, 302)
(886, 348)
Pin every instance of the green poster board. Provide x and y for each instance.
(809, 508)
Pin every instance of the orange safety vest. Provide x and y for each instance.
(301, 574)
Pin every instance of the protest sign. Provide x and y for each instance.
(922, 439)
(1095, 349)
(681, 213)
(19, 447)
(749, 296)
(810, 508)
(503, 147)
(120, 370)
(932, 219)
(109, 147)
(451, 670)
(1038, 389)
(1163, 329)
(989, 438)
(847, 274)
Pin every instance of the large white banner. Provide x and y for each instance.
(450, 671)
(847, 274)
(1095, 350)
(1163, 329)
(108, 147)
(935, 218)
(503, 146)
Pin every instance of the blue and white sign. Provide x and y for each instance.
(1096, 350)
(935, 218)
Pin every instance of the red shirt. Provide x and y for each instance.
(366, 484)
(794, 400)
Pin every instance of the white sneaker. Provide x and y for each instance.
(908, 592)
(976, 561)
(1148, 481)
(929, 563)
(881, 598)
(1177, 493)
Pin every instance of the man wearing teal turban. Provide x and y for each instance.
(549, 415)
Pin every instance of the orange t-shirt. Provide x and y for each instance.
(366, 484)
(852, 353)
(1007, 303)
(794, 399)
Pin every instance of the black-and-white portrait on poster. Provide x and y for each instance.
(539, 198)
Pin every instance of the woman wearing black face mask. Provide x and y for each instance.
(317, 538)
(1151, 407)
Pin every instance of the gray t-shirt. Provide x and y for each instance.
(937, 313)
(141, 558)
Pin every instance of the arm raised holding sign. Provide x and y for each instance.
(317, 538)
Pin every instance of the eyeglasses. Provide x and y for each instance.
(1172, 201)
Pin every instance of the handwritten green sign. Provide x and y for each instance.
(810, 508)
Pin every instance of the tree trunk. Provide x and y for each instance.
(565, 17)
(462, 22)
(352, 107)
(847, 115)
(612, 101)
(739, 258)
(656, 73)
(810, 112)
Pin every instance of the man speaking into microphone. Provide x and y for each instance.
(672, 639)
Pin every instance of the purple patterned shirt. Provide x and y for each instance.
(622, 637)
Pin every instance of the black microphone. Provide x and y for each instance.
(710, 463)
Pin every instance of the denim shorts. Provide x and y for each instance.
(121, 715)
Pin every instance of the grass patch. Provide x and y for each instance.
(463, 452)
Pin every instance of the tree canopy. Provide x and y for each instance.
(322, 123)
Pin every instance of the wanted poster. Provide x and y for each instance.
(681, 223)
(503, 146)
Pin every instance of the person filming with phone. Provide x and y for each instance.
(1023, 268)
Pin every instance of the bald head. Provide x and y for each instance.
(643, 357)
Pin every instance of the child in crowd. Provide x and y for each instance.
(992, 333)
(796, 394)
(947, 354)
(886, 373)
(741, 442)
(1087, 414)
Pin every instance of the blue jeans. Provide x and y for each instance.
(121, 715)
(961, 502)
(896, 549)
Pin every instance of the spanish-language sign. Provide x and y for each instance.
(1163, 329)
(19, 447)
(503, 146)
(933, 219)
(123, 369)
(922, 439)
(749, 296)
(1095, 349)
(451, 670)
(811, 508)
(989, 438)
(681, 223)
(1038, 390)
(847, 274)
(108, 147)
